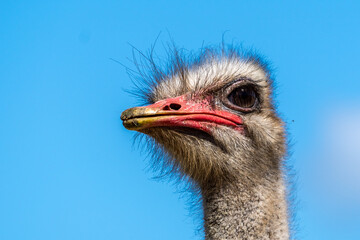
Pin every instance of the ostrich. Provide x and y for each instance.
(215, 122)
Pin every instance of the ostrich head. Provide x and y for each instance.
(214, 117)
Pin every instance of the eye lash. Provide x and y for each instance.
(220, 87)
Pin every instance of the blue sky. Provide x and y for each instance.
(67, 166)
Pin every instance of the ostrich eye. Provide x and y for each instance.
(244, 97)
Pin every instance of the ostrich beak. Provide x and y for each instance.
(181, 111)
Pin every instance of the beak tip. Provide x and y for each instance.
(122, 116)
(131, 124)
(126, 114)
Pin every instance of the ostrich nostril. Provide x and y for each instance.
(175, 106)
(172, 106)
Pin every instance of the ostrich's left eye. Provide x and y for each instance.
(244, 96)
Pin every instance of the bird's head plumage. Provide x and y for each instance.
(213, 116)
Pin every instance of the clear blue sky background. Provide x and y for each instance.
(67, 166)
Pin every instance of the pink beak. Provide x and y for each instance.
(181, 111)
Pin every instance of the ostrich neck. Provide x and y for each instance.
(256, 213)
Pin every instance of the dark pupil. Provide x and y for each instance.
(243, 97)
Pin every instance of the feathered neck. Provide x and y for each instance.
(236, 211)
